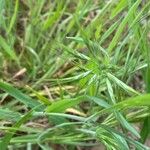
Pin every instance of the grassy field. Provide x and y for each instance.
(74, 74)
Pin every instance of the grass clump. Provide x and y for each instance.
(74, 74)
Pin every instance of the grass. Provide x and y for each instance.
(74, 74)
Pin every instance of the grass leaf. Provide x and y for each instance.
(28, 101)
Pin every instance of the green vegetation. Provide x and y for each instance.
(75, 74)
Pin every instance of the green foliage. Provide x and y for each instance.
(74, 74)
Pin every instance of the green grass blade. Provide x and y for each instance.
(122, 25)
(14, 17)
(62, 105)
(118, 115)
(120, 6)
(8, 136)
(121, 84)
(6, 114)
(28, 101)
(8, 50)
(138, 101)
